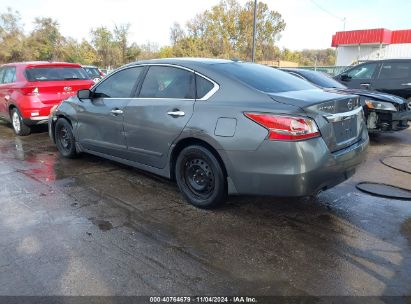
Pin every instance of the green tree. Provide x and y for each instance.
(132, 53)
(310, 57)
(108, 54)
(82, 53)
(226, 31)
(120, 34)
(45, 41)
(11, 37)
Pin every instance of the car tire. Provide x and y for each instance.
(409, 103)
(200, 177)
(64, 138)
(19, 127)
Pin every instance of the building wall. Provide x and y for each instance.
(349, 54)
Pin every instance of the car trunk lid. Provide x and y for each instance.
(338, 116)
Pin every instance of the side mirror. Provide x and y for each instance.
(84, 94)
(345, 77)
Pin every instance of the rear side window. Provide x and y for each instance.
(395, 70)
(55, 74)
(203, 86)
(9, 75)
(264, 78)
(120, 84)
(168, 82)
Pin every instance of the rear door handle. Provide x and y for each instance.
(176, 113)
(116, 112)
(406, 84)
(365, 85)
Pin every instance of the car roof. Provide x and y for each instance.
(189, 62)
(385, 60)
(31, 64)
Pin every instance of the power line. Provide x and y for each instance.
(328, 12)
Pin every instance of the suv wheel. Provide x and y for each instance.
(19, 127)
(200, 177)
(65, 142)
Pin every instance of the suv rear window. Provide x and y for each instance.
(264, 78)
(55, 73)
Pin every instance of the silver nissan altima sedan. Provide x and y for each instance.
(218, 127)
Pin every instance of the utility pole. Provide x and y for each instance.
(254, 29)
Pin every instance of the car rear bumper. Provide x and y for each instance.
(37, 120)
(36, 116)
(292, 169)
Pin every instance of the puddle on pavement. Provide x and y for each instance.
(400, 163)
(383, 190)
(101, 224)
(406, 230)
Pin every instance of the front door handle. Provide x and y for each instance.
(366, 85)
(406, 84)
(176, 113)
(116, 112)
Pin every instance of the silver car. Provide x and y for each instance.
(218, 127)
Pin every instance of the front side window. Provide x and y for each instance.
(364, 71)
(9, 75)
(55, 73)
(395, 70)
(168, 82)
(120, 84)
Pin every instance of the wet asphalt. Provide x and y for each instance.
(93, 227)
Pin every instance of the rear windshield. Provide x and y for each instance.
(322, 80)
(55, 73)
(264, 78)
(92, 72)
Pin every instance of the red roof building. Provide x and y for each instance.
(372, 44)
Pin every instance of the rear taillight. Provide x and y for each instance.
(30, 91)
(285, 127)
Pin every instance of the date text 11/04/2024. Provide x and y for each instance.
(204, 299)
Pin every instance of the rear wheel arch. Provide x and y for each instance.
(190, 141)
(11, 107)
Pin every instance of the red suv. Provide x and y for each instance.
(28, 90)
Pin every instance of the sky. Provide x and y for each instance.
(310, 23)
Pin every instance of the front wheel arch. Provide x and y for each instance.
(53, 124)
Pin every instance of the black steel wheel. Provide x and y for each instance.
(200, 177)
(64, 138)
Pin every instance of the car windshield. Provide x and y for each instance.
(55, 73)
(264, 78)
(92, 72)
(322, 80)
